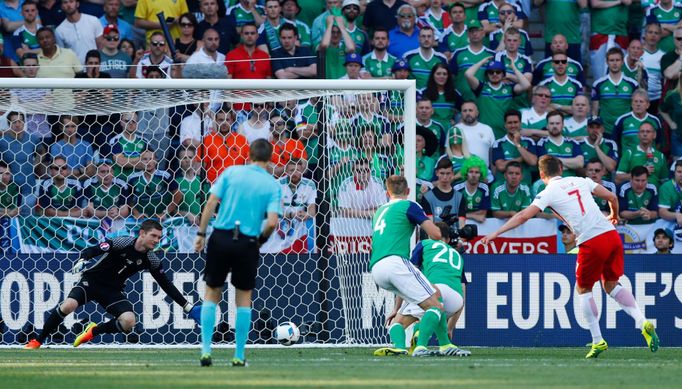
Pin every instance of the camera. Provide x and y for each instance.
(468, 232)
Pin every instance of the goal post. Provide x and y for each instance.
(314, 268)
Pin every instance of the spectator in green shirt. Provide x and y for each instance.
(638, 199)
(671, 112)
(189, 194)
(643, 154)
(335, 44)
(670, 197)
(10, 198)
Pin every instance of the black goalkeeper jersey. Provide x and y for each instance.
(113, 261)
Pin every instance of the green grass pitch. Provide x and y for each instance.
(339, 367)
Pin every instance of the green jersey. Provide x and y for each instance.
(635, 156)
(392, 228)
(444, 111)
(359, 38)
(628, 200)
(603, 204)
(451, 41)
(504, 200)
(538, 186)
(532, 120)
(336, 155)
(493, 102)
(425, 167)
(151, 196)
(574, 129)
(545, 70)
(334, 59)
(242, 16)
(375, 122)
(10, 196)
(668, 17)
(477, 200)
(378, 67)
(440, 263)
(610, 21)
(563, 17)
(670, 196)
(563, 93)
(462, 60)
(614, 98)
(105, 198)
(130, 148)
(525, 65)
(567, 148)
(608, 146)
(626, 129)
(304, 34)
(420, 66)
(504, 149)
(69, 196)
(192, 194)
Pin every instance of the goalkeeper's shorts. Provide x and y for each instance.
(110, 298)
(225, 254)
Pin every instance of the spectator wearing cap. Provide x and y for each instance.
(79, 32)
(291, 61)
(638, 199)
(8, 68)
(494, 97)
(664, 241)
(225, 25)
(350, 9)
(464, 58)
(290, 11)
(378, 62)
(335, 45)
(246, 61)
(114, 61)
(670, 197)
(382, 13)
(353, 66)
(595, 146)
(568, 240)
(576, 125)
(24, 37)
(405, 36)
(424, 58)
(454, 37)
(55, 62)
(112, 8)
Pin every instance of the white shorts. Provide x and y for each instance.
(452, 302)
(400, 276)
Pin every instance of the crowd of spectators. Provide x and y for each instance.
(488, 104)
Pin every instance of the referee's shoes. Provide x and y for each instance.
(206, 360)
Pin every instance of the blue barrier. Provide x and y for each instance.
(512, 300)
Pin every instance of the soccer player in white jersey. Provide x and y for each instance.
(600, 254)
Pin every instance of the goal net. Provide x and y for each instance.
(88, 160)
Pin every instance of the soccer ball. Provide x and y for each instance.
(287, 333)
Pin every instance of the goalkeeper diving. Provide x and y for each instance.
(104, 270)
(442, 266)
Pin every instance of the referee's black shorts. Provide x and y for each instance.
(228, 255)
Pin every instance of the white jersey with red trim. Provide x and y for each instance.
(571, 199)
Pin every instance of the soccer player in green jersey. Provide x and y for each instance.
(393, 225)
(442, 266)
(670, 197)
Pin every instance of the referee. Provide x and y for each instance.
(246, 193)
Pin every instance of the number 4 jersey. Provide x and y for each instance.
(571, 199)
(393, 225)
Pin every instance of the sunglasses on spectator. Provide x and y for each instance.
(543, 95)
(560, 61)
(186, 25)
(57, 167)
(111, 38)
(158, 43)
(406, 16)
(679, 38)
(495, 71)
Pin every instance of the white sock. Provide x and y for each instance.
(589, 308)
(627, 302)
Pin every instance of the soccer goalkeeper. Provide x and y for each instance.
(442, 265)
(105, 269)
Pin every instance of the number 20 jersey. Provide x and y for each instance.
(571, 199)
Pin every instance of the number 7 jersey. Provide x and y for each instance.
(570, 198)
(392, 227)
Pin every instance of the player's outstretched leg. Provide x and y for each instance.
(87, 334)
(589, 310)
(53, 322)
(242, 327)
(627, 302)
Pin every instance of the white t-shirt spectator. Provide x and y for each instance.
(352, 197)
(200, 56)
(480, 139)
(190, 127)
(253, 133)
(80, 36)
(146, 61)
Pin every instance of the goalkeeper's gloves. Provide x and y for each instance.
(194, 313)
(79, 266)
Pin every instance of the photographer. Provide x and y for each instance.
(443, 203)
